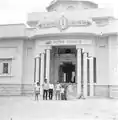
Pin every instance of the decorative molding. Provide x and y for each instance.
(7, 58)
(63, 23)
(6, 75)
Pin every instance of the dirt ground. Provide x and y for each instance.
(26, 108)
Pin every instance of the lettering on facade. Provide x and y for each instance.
(66, 42)
(81, 23)
(63, 23)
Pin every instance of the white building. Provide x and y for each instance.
(74, 42)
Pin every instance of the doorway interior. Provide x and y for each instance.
(67, 72)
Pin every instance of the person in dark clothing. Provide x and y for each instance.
(45, 89)
(65, 92)
(51, 89)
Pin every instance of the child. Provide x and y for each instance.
(62, 92)
(37, 90)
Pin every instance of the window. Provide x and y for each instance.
(5, 66)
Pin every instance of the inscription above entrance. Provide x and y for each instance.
(68, 42)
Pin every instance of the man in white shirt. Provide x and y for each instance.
(51, 89)
(58, 88)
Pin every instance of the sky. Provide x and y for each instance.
(15, 11)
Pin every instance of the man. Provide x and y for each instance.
(51, 89)
(58, 88)
(62, 92)
(45, 89)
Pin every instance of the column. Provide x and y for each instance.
(34, 70)
(79, 77)
(37, 67)
(64, 77)
(72, 78)
(42, 73)
(91, 77)
(48, 65)
(85, 55)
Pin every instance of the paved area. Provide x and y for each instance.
(25, 108)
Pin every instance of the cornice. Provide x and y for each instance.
(15, 38)
(59, 36)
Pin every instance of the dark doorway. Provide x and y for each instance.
(67, 69)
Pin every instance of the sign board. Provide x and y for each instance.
(63, 23)
(69, 42)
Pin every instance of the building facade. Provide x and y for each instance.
(74, 42)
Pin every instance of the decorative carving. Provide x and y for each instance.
(63, 23)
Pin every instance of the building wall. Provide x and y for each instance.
(99, 49)
(23, 51)
(113, 65)
(12, 84)
(102, 59)
(12, 30)
(102, 55)
(28, 66)
(22, 72)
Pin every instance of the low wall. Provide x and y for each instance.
(10, 89)
(15, 89)
(27, 89)
(101, 90)
(113, 91)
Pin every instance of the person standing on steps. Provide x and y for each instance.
(51, 89)
(37, 90)
(45, 89)
(58, 88)
(62, 92)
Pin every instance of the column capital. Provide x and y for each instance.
(37, 56)
(78, 48)
(90, 57)
(86, 54)
(48, 47)
(42, 53)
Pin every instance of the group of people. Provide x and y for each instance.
(50, 90)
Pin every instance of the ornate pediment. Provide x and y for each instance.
(63, 23)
